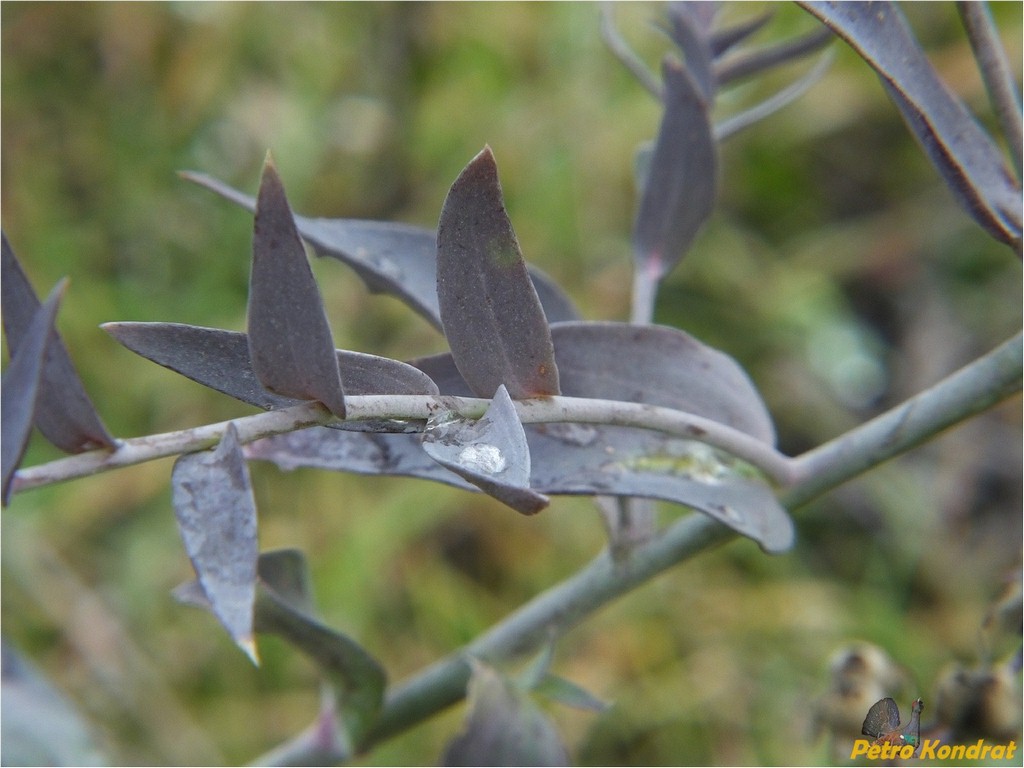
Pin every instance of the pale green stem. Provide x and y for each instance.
(965, 393)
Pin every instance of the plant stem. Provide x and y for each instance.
(559, 608)
(620, 48)
(138, 450)
(965, 393)
(414, 407)
(996, 72)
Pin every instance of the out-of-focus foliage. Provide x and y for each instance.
(837, 269)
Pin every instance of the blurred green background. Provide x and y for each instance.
(837, 270)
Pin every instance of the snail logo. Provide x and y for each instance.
(892, 741)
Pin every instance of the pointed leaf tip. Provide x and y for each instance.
(248, 646)
(491, 452)
(65, 415)
(21, 385)
(490, 310)
(290, 341)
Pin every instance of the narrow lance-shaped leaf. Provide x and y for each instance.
(537, 677)
(65, 415)
(491, 453)
(21, 384)
(503, 727)
(492, 317)
(216, 514)
(679, 188)
(220, 360)
(289, 338)
(753, 62)
(965, 156)
(391, 258)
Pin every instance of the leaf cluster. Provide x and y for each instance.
(515, 339)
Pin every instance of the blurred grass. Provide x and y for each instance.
(837, 270)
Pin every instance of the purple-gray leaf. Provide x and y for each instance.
(503, 727)
(220, 360)
(21, 384)
(616, 361)
(582, 459)
(679, 189)
(65, 415)
(641, 364)
(362, 453)
(659, 365)
(691, 31)
(216, 514)
(724, 39)
(969, 162)
(493, 320)
(396, 259)
(290, 342)
(491, 453)
(41, 725)
(569, 459)
(761, 59)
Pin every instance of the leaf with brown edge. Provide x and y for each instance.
(290, 341)
(66, 415)
(490, 311)
(968, 160)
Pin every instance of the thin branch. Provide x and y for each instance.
(965, 393)
(576, 410)
(620, 48)
(971, 390)
(996, 72)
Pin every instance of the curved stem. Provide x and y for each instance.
(963, 394)
(413, 407)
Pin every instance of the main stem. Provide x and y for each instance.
(967, 392)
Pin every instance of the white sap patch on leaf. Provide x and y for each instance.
(483, 457)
